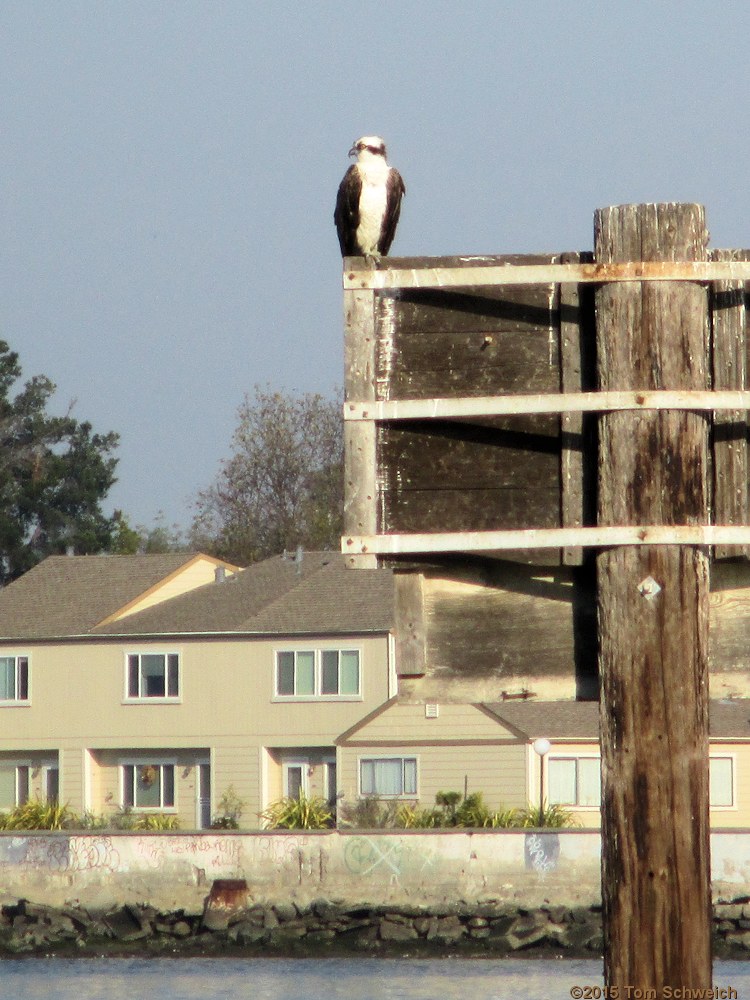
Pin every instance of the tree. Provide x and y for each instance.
(54, 473)
(282, 487)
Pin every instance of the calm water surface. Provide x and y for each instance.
(325, 979)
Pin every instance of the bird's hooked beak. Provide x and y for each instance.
(353, 151)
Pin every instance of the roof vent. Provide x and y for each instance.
(431, 710)
(220, 574)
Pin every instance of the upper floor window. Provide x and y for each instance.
(574, 781)
(153, 675)
(322, 673)
(14, 678)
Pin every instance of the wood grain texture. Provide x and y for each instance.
(653, 651)
(360, 498)
(729, 355)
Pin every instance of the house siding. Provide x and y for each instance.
(227, 710)
(463, 749)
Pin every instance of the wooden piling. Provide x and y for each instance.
(653, 612)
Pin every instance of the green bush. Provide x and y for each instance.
(410, 817)
(368, 813)
(303, 813)
(230, 807)
(37, 815)
(554, 816)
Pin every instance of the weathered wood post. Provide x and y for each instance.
(653, 611)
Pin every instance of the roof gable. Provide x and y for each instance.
(71, 595)
(399, 722)
(316, 594)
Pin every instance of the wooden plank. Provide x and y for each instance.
(477, 362)
(572, 503)
(479, 510)
(512, 451)
(409, 625)
(394, 277)
(548, 538)
(360, 496)
(729, 442)
(653, 614)
(562, 402)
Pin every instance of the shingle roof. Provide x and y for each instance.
(69, 595)
(571, 720)
(278, 595)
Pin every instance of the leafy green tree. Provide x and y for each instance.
(54, 473)
(282, 486)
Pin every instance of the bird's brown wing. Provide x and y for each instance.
(346, 215)
(396, 189)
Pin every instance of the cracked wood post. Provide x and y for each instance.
(653, 612)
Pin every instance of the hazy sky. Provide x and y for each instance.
(169, 170)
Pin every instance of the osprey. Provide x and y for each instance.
(369, 202)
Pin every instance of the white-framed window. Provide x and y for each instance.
(152, 676)
(14, 784)
(295, 776)
(574, 781)
(388, 776)
(14, 680)
(318, 673)
(721, 782)
(148, 785)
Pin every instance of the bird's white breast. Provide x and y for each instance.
(372, 202)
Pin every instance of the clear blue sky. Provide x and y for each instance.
(169, 169)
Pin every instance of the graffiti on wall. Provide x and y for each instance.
(367, 856)
(67, 855)
(60, 854)
(218, 854)
(541, 852)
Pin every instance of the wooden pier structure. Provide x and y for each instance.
(580, 415)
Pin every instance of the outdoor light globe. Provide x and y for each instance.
(542, 747)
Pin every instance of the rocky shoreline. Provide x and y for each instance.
(326, 928)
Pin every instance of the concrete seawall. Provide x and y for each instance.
(170, 870)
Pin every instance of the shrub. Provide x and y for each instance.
(554, 816)
(230, 807)
(38, 815)
(410, 817)
(448, 802)
(303, 813)
(368, 813)
(156, 821)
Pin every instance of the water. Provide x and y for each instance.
(324, 979)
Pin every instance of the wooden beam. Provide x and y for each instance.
(652, 603)
(730, 427)
(475, 274)
(563, 402)
(360, 495)
(546, 538)
(573, 315)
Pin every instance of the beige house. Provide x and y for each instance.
(160, 682)
(414, 750)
